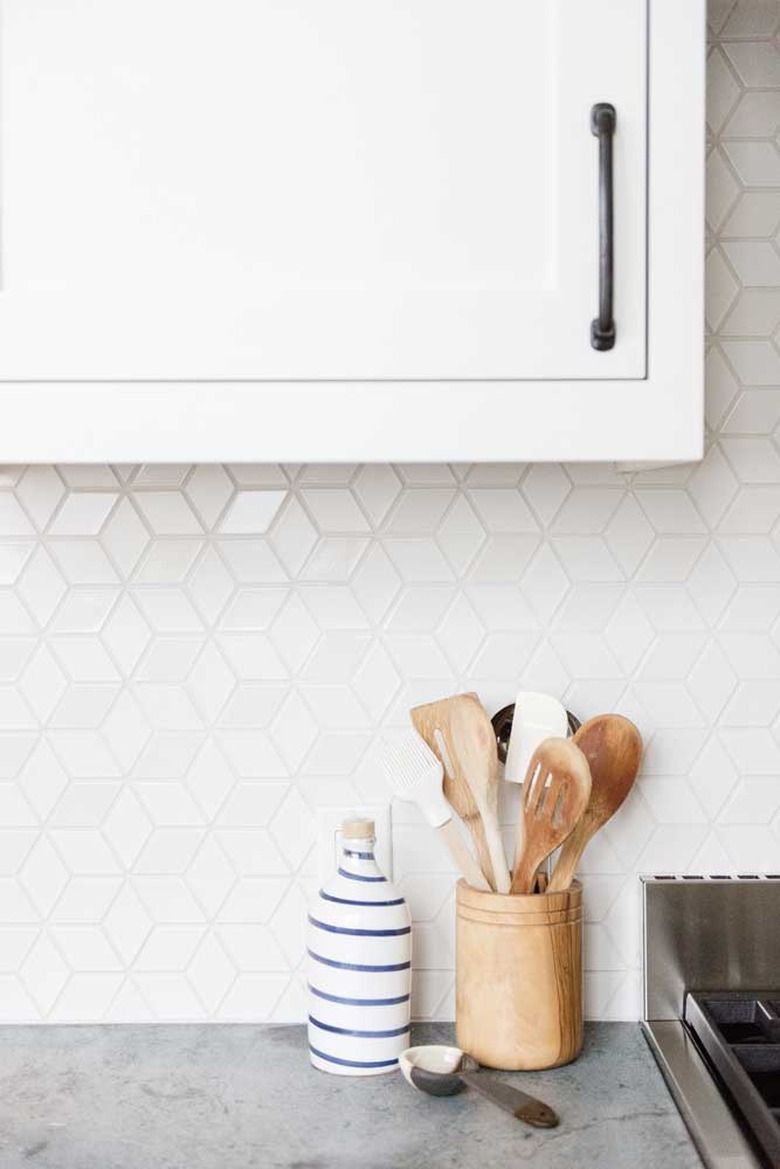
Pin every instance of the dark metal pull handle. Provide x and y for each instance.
(602, 124)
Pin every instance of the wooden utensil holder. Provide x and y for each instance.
(519, 977)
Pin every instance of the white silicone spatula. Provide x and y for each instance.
(412, 769)
(537, 717)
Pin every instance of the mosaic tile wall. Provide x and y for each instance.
(194, 659)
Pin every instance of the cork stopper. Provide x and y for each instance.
(358, 829)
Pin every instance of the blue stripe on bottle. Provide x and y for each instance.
(360, 1034)
(354, 1063)
(340, 929)
(347, 901)
(360, 877)
(364, 856)
(353, 966)
(335, 998)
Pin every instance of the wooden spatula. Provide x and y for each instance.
(476, 758)
(613, 747)
(432, 721)
(555, 795)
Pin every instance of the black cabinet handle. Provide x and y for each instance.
(602, 124)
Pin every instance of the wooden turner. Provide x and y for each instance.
(433, 722)
(476, 756)
(613, 747)
(555, 795)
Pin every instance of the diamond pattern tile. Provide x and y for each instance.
(193, 659)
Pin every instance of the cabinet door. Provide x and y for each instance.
(317, 189)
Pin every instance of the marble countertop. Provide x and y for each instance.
(235, 1097)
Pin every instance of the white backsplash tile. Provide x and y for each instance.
(193, 659)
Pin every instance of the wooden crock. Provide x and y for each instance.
(519, 977)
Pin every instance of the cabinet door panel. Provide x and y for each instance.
(316, 189)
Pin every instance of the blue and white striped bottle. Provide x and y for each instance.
(360, 964)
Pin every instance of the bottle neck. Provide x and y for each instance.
(357, 857)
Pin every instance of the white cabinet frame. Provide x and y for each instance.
(659, 417)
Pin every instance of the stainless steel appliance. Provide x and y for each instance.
(712, 1009)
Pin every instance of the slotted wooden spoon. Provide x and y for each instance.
(613, 747)
(433, 721)
(555, 795)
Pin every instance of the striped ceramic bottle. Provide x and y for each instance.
(360, 964)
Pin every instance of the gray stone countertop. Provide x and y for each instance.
(234, 1097)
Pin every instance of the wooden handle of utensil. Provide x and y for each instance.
(519, 834)
(476, 826)
(497, 856)
(524, 876)
(569, 858)
(467, 866)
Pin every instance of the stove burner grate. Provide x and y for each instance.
(740, 1033)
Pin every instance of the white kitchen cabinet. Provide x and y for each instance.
(349, 229)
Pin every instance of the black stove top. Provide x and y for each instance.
(739, 1031)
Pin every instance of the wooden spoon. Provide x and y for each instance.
(432, 721)
(555, 795)
(476, 757)
(613, 747)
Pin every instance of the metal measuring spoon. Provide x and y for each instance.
(468, 1074)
